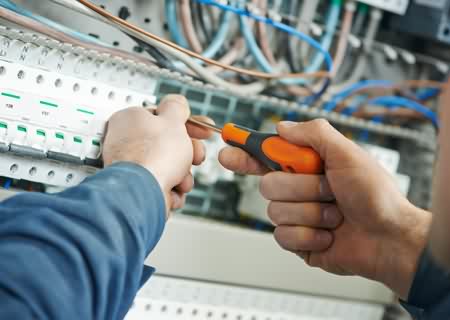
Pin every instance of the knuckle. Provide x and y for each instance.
(280, 237)
(268, 185)
(177, 99)
(272, 212)
(264, 187)
(321, 124)
(128, 112)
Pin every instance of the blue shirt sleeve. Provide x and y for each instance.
(429, 297)
(79, 254)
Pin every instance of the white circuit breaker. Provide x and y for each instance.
(54, 105)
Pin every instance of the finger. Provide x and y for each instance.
(304, 255)
(241, 162)
(309, 214)
(282, 186)
(174, 108)
(297, 239)
(186, 185)
(198, 132)
(332, 146)
(177, 200)
(199, 152)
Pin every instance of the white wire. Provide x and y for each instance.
(306, 16)
(375, 19)
(207, 75)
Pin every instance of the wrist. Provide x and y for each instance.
(402, 250)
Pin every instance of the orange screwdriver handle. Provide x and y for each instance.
(273, 151)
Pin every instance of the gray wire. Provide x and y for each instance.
(207, 75)
(375, 20)
(307, 12)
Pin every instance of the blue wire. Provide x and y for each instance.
(318, 59)
(327, 39)
(427, 94)
(264, 64)
(354, 106)
(394, 102)
(278, 25)
(250, 40)
(220, 37)
(24, 12)
(341, 96)
(172, 23)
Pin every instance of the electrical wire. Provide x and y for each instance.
(200, 19)
(363, 9)
(265, 65)
(394, 102)
(342, 45)
(374, 24)
(170, 12)
(70, 34)
(24, 12)
(43, 29)
(237, 50)
(166, 45)
(367, 86)
(430, 89)
(330, 29)
(263, 37)
(216, 43)
(188, 26)
(306, 15)
(238, 89)
(259, 55)
(161, 60)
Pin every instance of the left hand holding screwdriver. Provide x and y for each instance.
(162, 144)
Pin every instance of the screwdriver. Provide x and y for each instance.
(270, 149)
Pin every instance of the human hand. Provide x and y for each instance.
(162, 144)
(351, 221)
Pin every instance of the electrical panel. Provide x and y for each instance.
(427, 19)
(395, 6)
(55, 99)
(52, 123)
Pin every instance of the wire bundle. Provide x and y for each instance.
(221, 42)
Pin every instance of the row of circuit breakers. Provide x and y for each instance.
(52, 123)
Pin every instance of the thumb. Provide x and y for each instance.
(174, 108)
(322, 137)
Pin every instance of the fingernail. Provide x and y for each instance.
(288, 124)
(331, 216)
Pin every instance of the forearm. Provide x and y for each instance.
(79, 254)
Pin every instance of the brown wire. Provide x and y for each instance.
(31, 24)
(399, 113)
(342, 45)
(263, 38)
(400, 87)
(231, 56)
(253, 73)
(188, 26)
